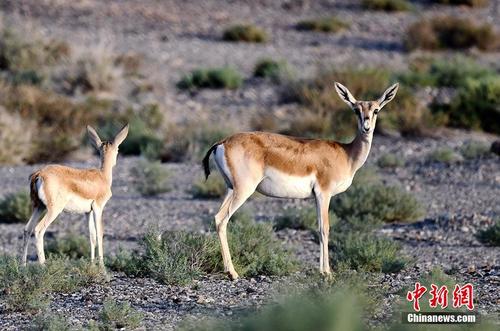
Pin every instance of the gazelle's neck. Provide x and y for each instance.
(359, 149)
(107, 170)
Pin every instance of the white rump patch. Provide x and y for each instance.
(220, 162)
(39, 190)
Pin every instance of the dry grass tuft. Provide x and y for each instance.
(448, 32)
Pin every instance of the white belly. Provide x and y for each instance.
(281, 185)
(78, 205)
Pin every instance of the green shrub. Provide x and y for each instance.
(327, 24)
(150, 178)
(376, 204)
(212, 188)
(451, 72)
(276, 71)
(362, 251)
(128, 262)
(470, 3)
(15, 207)
(27, 288)
(50, 321)
(443, 155)
(255, 249)
(390, 161)
(246, 33)
(449, 32)
(119, 316)
(215, 78)
(387, 5)
(474, 149)
(28, 77)
(490, 235)
(476, 105)
(178, 257)
(72, 246)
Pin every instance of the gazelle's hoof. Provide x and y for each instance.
(233, 275)
(327, 274)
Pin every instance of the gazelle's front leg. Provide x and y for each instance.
(97, 213)
(92, 234)
(322, 205)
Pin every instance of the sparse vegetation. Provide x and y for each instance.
(50, 321)
(245, 33)
(27, 288)
(118, 316)
(386, 5)
(443, 155)
(15, 138)
(326, 24)
(150, 177)
(212, 188)
(365, 251)
(377, 203)
(390, 161)
(474, 150)
(178, 257)
(490, 235)
(448, 32)
(449, 72)
(276, 71)
(216, 78)
(15, 207)
(475, 106)
(71, 246)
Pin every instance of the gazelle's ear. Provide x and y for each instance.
(388, 95)
(344, 94)
(94, 137)
(120, 137)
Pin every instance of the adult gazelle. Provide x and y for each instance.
(288, 167)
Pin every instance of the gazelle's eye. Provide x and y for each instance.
(376, 111)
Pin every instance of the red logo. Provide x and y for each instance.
(438, 296)
(462, 296)
(415, 295)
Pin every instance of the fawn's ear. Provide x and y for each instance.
(94, 137)
(120, 137)
(388, 95)
(344, 94)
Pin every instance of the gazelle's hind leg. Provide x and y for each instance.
(234, 200)
(28, 231)
(40, 229)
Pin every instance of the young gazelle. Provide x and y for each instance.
(56, 188)
(289, 167)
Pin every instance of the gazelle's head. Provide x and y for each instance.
(366, 111)
(108, 150)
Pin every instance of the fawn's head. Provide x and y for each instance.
(108, 150)
(366, 111)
